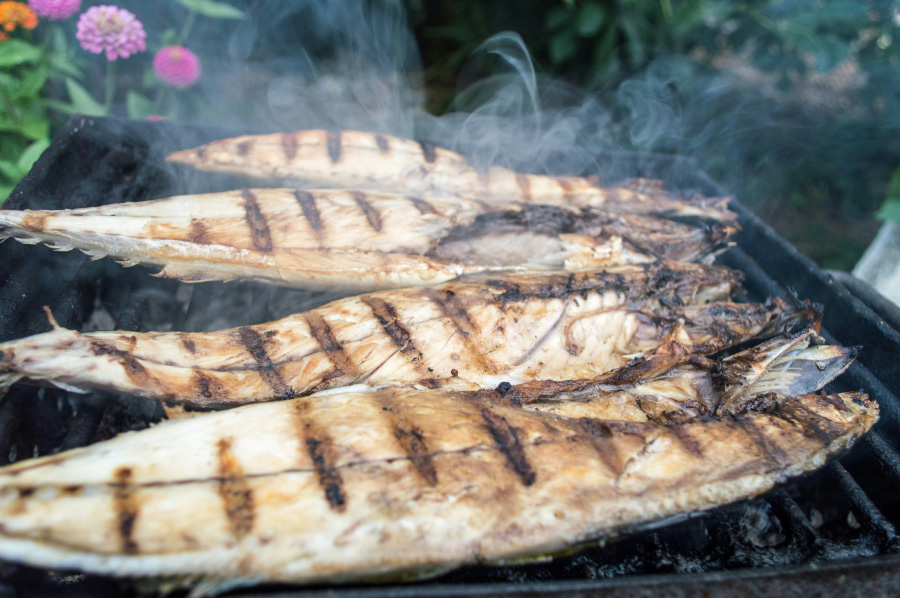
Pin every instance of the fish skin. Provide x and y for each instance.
(330, 489)
(323, 239)
(473, 333)
(362, 162)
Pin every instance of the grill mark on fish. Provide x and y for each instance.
(207, 386)
(455, 311)
(318, 446)
(237, 496)
(811, 424)
(244, 148)
(386, 314)
(187, 342)
(135, 371)
(773, 453)
(566, 187)
(506, 439)
(253, 342)
(680, 433)
(34, 223)
(259, 228)
(199, 233)
(524, 183)
(324, 335)
(382, 143)
(333, 140)
(599, 435)
(290, 146)
(423, 206)
(410, 438)
(372, 215)
(428, 151)
(126, 508)
(310, 211)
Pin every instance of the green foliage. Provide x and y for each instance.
(211, 9)
(890, 209)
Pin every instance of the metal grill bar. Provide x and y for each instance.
(866, 511)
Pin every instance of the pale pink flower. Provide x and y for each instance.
(176, 66)
(112, 30)
(55, 10)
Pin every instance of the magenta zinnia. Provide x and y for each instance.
(112, 30)
(55, 10)
(176, 66)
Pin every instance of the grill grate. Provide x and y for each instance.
(817, 532)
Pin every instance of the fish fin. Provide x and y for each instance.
(51, 319)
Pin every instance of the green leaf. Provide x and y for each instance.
(169, 38)
(32, 153)
(557, 17)
(214, 10)
(33, 82)
(590, 19)
(14, 52)
(890, 210)
(562, 47)
(11, 171)
(5, 190)
(82, 101)
(64, 65)
(139, 106)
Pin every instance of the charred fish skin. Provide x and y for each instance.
(354, 240)
(356, 485)
(466, 335)
(387, 163)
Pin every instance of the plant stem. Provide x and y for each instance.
(188, 24)
(110, 84)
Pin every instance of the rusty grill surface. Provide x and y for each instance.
(832, 532)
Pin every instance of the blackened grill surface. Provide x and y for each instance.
(829, 533)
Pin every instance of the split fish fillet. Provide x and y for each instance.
(473, 333)
(354, 240)
(384, 163)
(670, 388)
(393, 483)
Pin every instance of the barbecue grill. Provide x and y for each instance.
(832, 532)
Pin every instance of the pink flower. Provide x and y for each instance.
(112, 30)
(176, 66)
(55, 10)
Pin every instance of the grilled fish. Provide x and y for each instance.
(384, 163)
(355, 240)
(667, 388)
(397, 482)
(473, 333)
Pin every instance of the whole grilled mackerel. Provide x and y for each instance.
(384, 163)
(476, 332)
(355, 240)
(675, 387)
(393, 484)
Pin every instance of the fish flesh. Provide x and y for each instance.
(670, 388)
(476, 332)
(323, 239)
(396, 483)
(380, 162)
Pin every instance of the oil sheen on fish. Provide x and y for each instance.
(385, 163)
(355, 240)
(473, 333)
(399, 482)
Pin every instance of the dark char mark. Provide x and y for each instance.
(237, 496)
(310, 211)
(455, 311)
(428, 151)
(244, 147)
(333, 139)
(208, 387)
(252, 340)
(199, 232)
(386, 315)
(259, 228)
(289, 145)
(410, 438)
(323, 334)
(600, 436)
(368, 209)
(133, 368)
(423, 206)
(188, 343)
(382, 143)
(126, 508)
(506, 439)
(329, 478)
